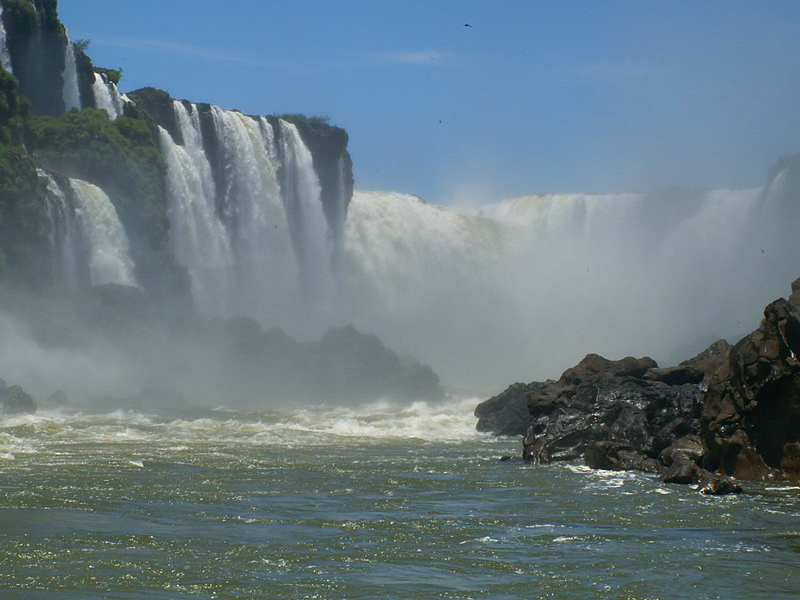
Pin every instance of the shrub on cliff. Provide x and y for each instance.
(123, 158)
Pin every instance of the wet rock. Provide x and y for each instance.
(614, 456)
(601, 400)
(507, 413)
(675, 375)
(15, 401)
(717, 485)
(688, 448)
(683, 471)
(751, 416)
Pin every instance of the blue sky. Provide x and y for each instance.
(533, 97)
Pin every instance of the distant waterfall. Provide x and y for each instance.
(71, 91)
(198, 237)
(109, 255)
(106, 96)
(5, 57)
(525, 288)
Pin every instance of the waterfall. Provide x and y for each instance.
(5, 57)
(248, 224)
(198, 237)
(250, 203)
(525, 288)
(301, 199)
(65, 237)
(109, 256)
(71, 91)
(106, 96)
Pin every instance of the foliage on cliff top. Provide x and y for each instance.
(112, 75)
(120, 156)
(317, 132)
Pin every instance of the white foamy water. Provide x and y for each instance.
(372, 423)
(107, 96)
(110, 260)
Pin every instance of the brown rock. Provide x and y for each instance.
(682, 471)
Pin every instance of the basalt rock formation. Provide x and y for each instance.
(751, 414)
(728, 413)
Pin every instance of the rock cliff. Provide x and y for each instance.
(728, 412)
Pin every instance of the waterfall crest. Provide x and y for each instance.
(197, 235)
(107, 96)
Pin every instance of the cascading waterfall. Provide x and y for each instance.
(301, 199)
(251, 207)
(107, 96)
(65, 236)
(5, 57)
(109, 255)
(71, 91)
(198, 237)
(251, 229)
(516, 290)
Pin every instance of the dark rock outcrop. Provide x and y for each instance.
(728, 413)
(507, 413)
(623, 403)
(751, 417)
(15, 401)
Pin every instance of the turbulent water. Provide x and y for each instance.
(382, 501)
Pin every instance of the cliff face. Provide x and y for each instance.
(115, 147)
(327, 143)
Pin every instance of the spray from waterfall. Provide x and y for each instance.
(525, 288)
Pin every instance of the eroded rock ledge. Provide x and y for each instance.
(730, 413)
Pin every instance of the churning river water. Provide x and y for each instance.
(373, 502)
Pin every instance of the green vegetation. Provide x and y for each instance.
(24, 225)
(113, 75)
(123, 158)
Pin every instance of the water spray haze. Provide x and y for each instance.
(525, 288)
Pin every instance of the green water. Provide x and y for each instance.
(376, 503)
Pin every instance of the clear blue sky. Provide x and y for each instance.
(535, 96)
